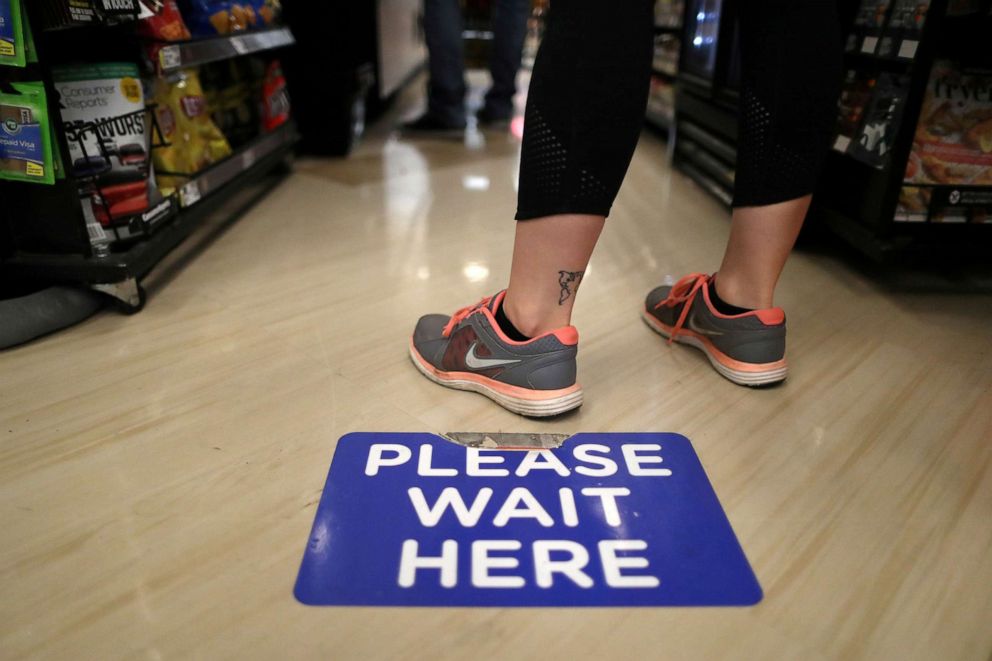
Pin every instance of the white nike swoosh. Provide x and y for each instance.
(702, 331)
(476, 363)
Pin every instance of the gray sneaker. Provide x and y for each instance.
(748, 349)
(469, 351)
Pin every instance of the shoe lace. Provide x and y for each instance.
(458, 316)
(683, 292)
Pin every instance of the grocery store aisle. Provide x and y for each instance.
(160, 472)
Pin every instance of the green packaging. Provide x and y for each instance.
(26, 135)
(11, 34)
(30, 51)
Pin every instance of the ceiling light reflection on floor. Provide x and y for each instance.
(475, 272)
(475, 182)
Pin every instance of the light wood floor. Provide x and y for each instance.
(159, 473)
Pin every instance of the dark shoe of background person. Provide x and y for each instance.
(494, 119)
(430, 125)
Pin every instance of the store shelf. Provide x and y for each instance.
(659, 28)
(230, 179)
(220, 174)
(713, 144)
(202, 51)
(659, 119)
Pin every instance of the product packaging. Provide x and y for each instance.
(854, 98)
(233, 90)
(268, 11)
(207, 18)
(953, 140)
(103, 110)
(26, 135)
(193, 141)
(951, 157)
(868, 26)
(12, 48)
(30, 50)
(275, 98)
(883, 116)
(164, 24)
(904, 30)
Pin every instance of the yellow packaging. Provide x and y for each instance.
(193, 141)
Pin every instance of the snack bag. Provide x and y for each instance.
(207, 18)
(230, 91)
(275, 98)
(26, 135)
(11, 34)
(268, 11)
(103, 109)
(193, 141)
(165, 25)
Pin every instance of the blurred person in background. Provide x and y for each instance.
(446, 89)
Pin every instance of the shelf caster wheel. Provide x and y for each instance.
(126, 296)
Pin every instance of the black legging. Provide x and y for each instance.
(589, 89)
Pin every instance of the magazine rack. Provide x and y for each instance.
(897, 45)
(872, 191)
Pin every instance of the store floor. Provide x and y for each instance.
(159, 473)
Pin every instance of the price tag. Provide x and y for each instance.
(241, 45)
(170, 57)
(97, 235)
(907, 49)
(248, 159)
(869, 45)
(189, 194)
(841, 143)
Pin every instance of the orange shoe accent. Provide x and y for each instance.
(771, 316)
(568, 335)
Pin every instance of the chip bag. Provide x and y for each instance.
(193, 141)
(213, 17)
(166, 25)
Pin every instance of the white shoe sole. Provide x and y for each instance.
(532, 406)
(774, 373)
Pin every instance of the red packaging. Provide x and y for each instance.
(166, 25)
(275, 98)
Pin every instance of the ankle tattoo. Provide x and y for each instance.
(566, 280)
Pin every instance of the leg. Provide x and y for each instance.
(584, 113)
(761, 239)
(549, 260)
(785, 126)
(510, 30)
(446, 89)
(784, 132)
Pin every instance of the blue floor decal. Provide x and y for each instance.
(604, 520)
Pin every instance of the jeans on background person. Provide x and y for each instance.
(443, 26)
